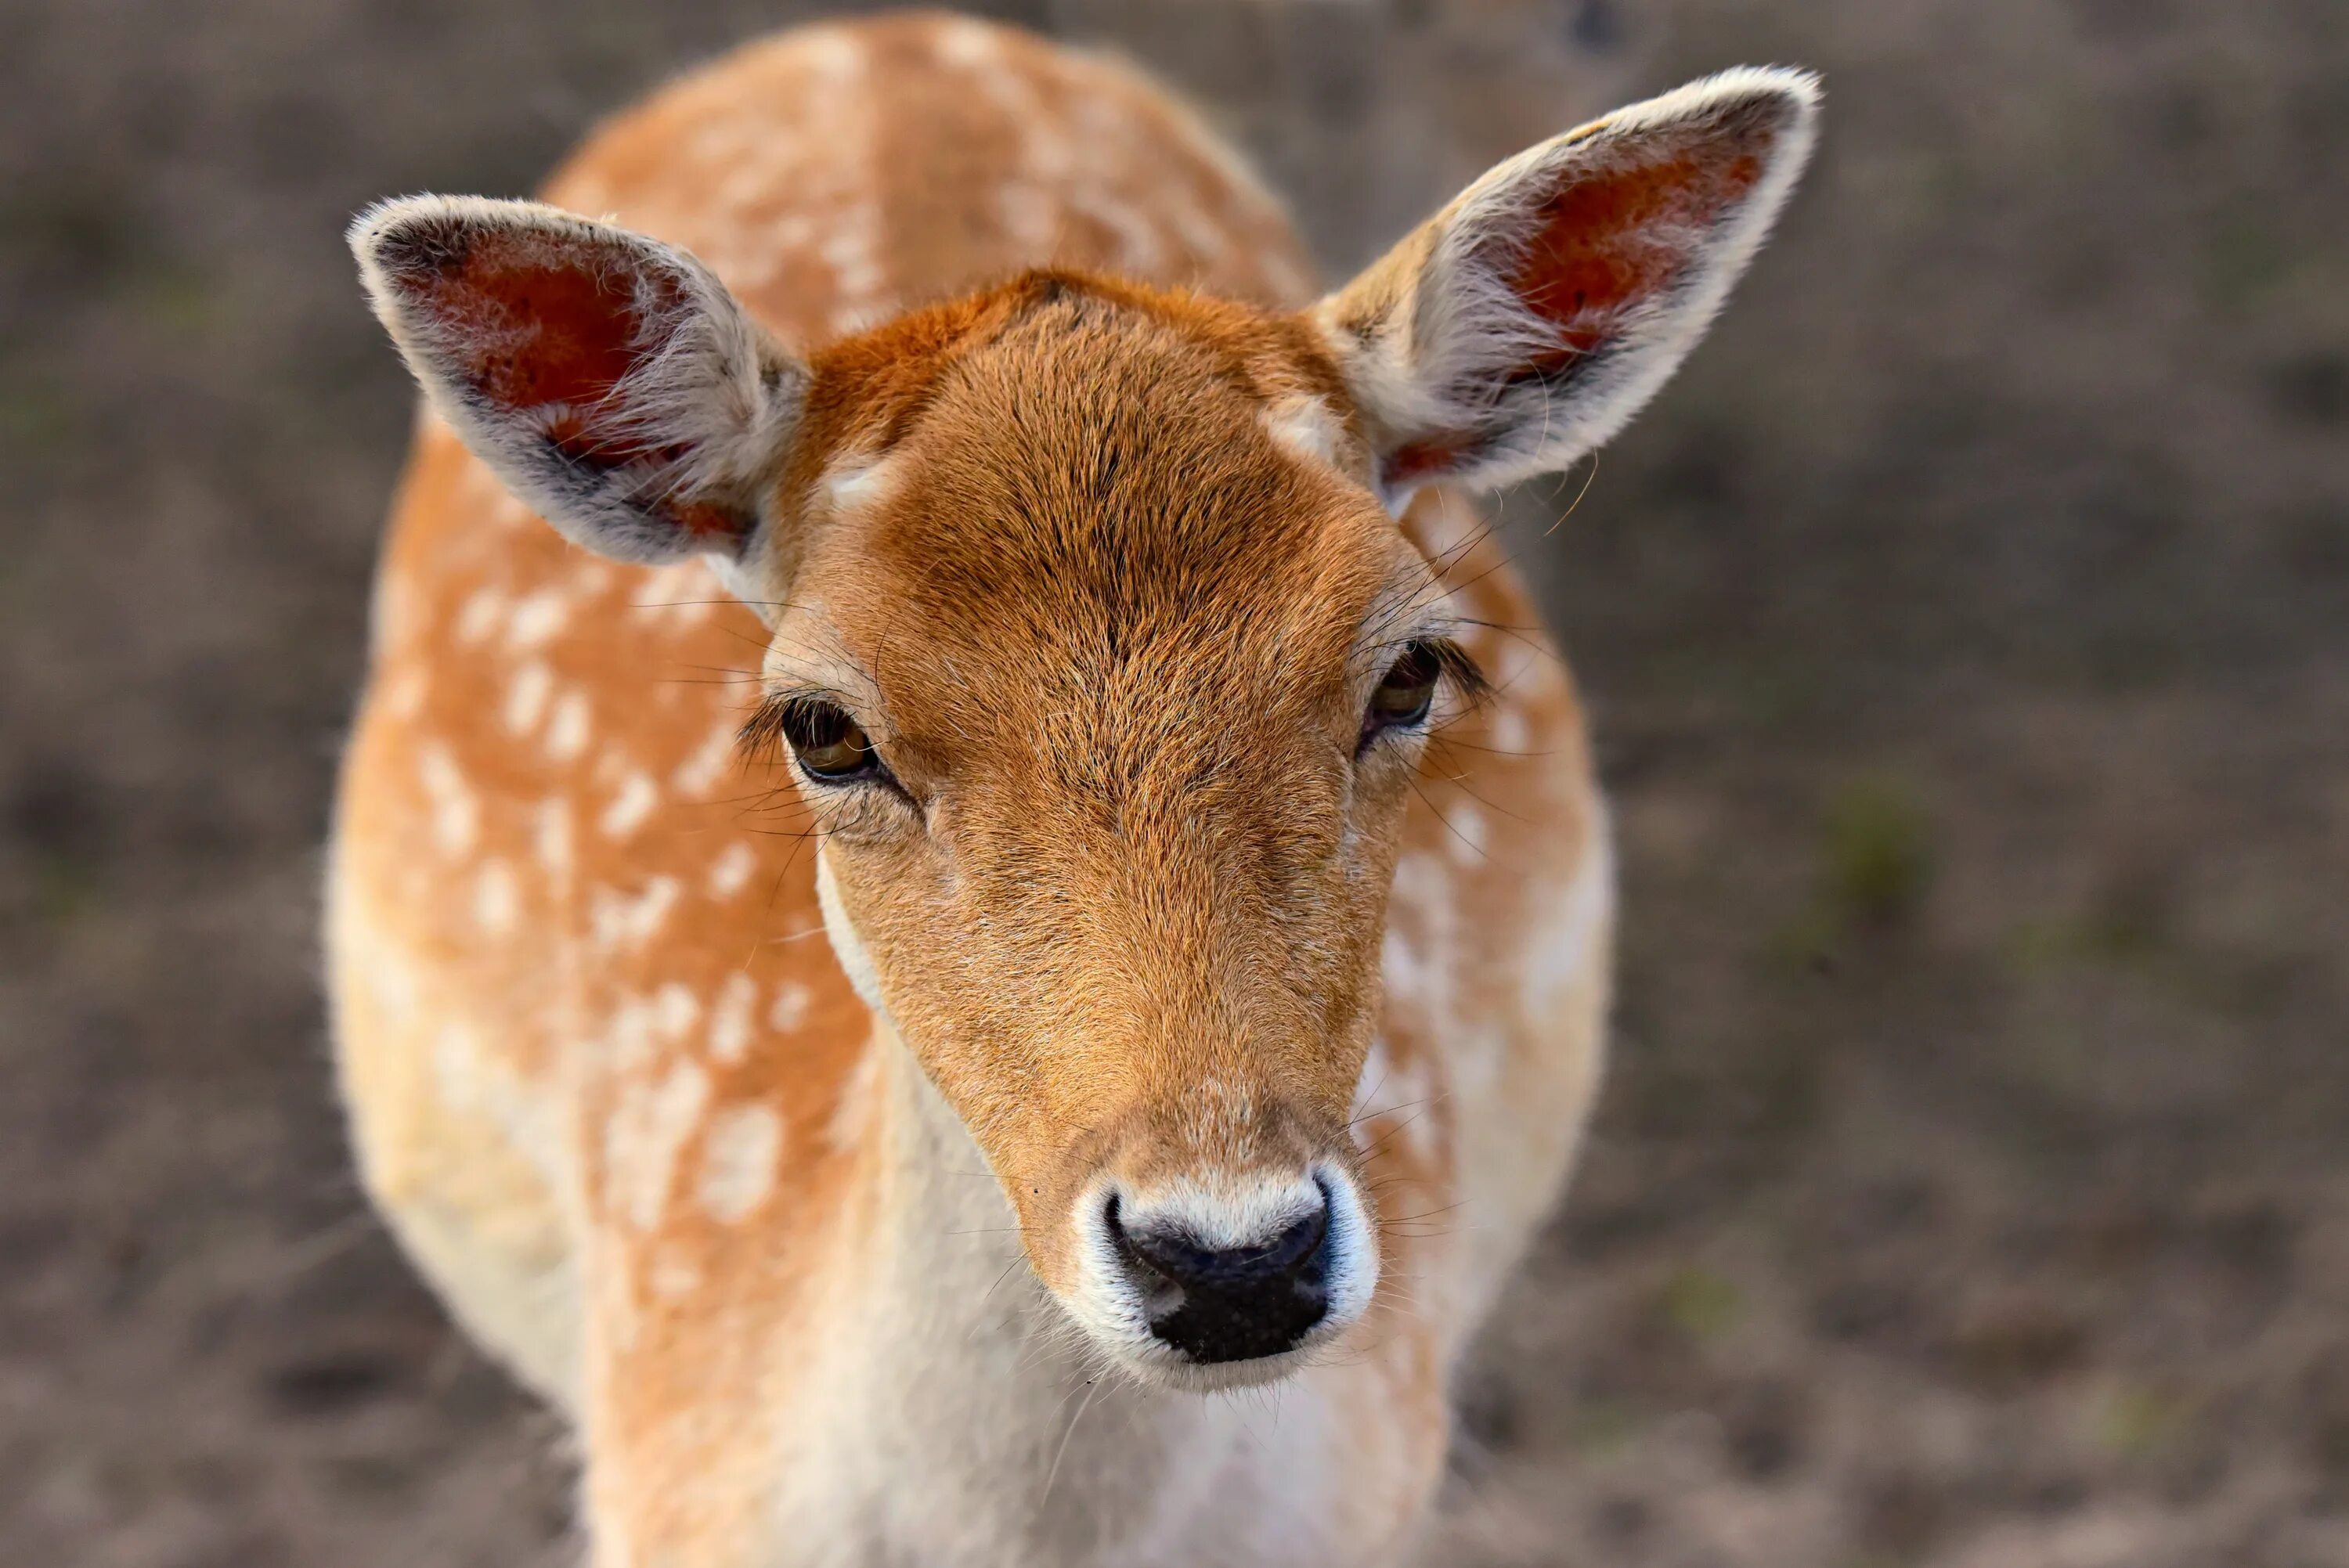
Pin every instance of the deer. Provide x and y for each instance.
(991, 949)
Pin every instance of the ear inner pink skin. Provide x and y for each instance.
(1609, 242)
(551, 331)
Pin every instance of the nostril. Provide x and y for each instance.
(1176, 1256)
(1183, 1261)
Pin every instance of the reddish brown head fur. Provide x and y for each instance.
(1113, 640)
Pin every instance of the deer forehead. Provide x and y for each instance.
(1098, 502)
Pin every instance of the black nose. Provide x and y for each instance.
(1228, 1304)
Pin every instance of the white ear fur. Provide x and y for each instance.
(1457, 374)
(495, 306)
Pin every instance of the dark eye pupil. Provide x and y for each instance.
(1408, 690)
(828, 743)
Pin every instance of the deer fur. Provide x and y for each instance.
(773, 1129)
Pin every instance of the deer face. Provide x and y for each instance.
(1101, 665)
(1105, 678)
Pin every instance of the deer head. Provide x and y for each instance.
(1099, 657)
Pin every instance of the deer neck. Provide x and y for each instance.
(980, 1425)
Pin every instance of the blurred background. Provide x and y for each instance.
(1967, 637)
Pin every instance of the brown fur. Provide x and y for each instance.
(1169, 751)
(1141, 911)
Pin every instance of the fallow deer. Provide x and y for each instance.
(1140, 927)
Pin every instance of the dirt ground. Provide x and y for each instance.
(1968, 631)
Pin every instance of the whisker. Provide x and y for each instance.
(1570, 511)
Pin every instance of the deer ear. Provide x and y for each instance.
(1528, 321)
(610, 380)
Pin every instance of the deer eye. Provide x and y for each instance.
(829, 744)
(1403, 698)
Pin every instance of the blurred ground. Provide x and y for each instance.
(1968, 631)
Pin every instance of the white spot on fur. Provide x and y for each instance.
(628, 1040)
(680, 614)
(567, 730)
(537, 619)
(404, 697)
(1140, 250)
(1402, 968)
(646, 1131)
(730, 1021)
(497, 901)
(1557, 945)
(527, 697)
(478, 617)
(1419, 972)
(961, 41)
(740, 1154)
(1511, 734)
(675, 1010)
(1029, 214)
(629, 808)
(1200, 234)
(848, 251)
(1396, 1098)
(1051, 158)
(833, 54)
(699, 773)
(730, 871)
(617, 918)
(791, 231)
(746, 185)
(471, 1079)
(1467, 835)
(791, 1007)
(553, 835)
(456, 810)
(719, 141)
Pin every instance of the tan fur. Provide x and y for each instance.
(720, 1190)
